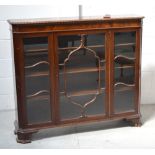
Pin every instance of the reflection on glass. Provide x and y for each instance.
(124, 99)
(81, 75)
(125, 44)
(37, 80)
(124, 72)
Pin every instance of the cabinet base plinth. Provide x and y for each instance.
(24, 135)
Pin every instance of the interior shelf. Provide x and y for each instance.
(36, 49)
(124, 67)
(82, 70)
(69, 71)
(37, 53)
(125, 44)
(84, 92)
(73, 70)
(40, 97)
(38, 74)
(124, 88)
(43, 50)
(72, 48)
(95, 91)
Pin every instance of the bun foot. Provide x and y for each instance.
(136, 122)
(23, 137)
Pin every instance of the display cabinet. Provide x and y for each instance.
(73, 71)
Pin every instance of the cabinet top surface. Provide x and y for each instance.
(70, 20)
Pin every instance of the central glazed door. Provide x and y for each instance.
(81, 60)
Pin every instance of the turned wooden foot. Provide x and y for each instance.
(135, 122)
(24, 137)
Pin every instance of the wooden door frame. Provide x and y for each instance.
(20, 79)
(137, 73)
(57, 108)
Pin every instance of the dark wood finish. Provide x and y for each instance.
(52, 29)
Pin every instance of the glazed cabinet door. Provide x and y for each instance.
(125, 82)
(36, 79)
(81, 59)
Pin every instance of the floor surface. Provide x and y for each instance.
(117, 134)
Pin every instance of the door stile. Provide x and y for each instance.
(111, 72)
(107, 73)
(56, 80)
(52, 73)
(138, 71)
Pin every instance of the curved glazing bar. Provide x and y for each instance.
(82, 46)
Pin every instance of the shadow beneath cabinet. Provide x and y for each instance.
(73, 129)
(147, 112)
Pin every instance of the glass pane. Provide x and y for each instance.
(124, 71)
(124, 99)
(81, 75)
(125, 44)
(37, 80)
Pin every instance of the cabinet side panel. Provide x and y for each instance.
(19, 76)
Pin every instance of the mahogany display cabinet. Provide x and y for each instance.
(74, 71)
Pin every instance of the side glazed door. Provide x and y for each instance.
(125, 63)
(35, 74)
